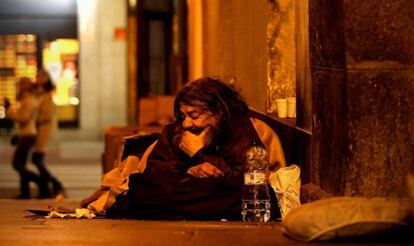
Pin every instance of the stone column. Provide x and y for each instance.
(103, 68)
(362, 67)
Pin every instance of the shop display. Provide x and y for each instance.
(17, 59)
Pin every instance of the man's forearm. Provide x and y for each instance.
(201, 157)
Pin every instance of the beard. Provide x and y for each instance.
(214, 130)
(195, 130)
(211, 136)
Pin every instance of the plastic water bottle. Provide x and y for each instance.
(255, 193)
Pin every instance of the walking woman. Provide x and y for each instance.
(46, 126)
(25, 117)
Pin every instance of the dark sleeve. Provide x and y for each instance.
(202, 156)
(165, 156)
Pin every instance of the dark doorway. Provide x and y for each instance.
(157, 59)
(162, 47)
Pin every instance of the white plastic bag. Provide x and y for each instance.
(286, 184)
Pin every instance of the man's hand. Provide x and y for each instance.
(205, 170)
(191, 143)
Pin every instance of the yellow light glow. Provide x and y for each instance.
(50, 56)
(74, 100)
(63, 70)
(30, 38)
(132, 3)
(54, 47)
(66, 46)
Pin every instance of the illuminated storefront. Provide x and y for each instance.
(41, 34)
(60, 59)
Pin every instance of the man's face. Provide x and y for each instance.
(197, 118)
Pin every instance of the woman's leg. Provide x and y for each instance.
(25, 143)
(38, 159)
(19, 164)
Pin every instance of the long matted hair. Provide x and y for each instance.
(214, 95)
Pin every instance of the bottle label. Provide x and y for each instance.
(254, 178)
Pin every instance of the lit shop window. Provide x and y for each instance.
(60, 59)
(17, 59)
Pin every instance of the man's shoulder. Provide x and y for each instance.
(169, 130)
(169, 127)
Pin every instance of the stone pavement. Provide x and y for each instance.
(17, 227)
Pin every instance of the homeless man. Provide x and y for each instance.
(195, 168)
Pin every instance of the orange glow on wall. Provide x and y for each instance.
(195, 39)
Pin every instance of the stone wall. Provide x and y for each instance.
(362, 66)
(361, 81)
